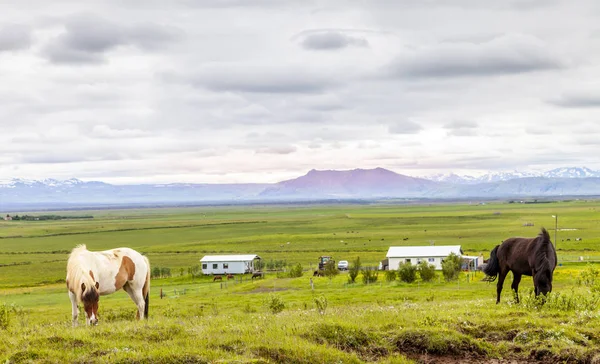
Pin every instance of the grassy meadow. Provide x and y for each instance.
(283, 320)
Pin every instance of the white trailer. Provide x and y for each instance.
(229, 264)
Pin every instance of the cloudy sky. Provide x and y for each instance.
(134, 91)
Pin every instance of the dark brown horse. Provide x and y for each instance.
(534, 257)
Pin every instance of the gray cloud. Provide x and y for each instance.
(577, 101)
(262, 79)
(533, 130)
(509, 54)
(331, 40)
(14, 37)
(282, 149)
(87, 38)
(461, 128)
(405, 127)
(105, 131)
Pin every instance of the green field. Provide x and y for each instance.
(387, 322)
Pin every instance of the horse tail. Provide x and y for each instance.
(147, 305)
(146, 290)
(493, 267)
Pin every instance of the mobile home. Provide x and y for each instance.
(229, 264)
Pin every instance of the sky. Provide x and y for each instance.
(234, 91)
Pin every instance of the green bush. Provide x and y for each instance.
(8, 311)
(331, 270)
(451, 267)
(369, 275)
(4, 316)
(390, 275)
(276, 264)
(158, 272)
(407, 272)
(590, 277)
(426, 271)
(296, 271)
(321, 303)
(165, 272)
(194, 271)
(275, 304)
(354, 270)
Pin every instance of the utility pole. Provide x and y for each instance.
(555, 229)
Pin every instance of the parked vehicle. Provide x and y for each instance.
(343, 265)
(323, 260)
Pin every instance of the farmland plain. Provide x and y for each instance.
(387, 322)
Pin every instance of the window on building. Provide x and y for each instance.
(204, 265)
(215, 265)
(225, 265)
(407, 260)
(431, 260)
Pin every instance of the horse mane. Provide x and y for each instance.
(77, 273)
(543, 251)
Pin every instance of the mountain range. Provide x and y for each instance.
(363, 184)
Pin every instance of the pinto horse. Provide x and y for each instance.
(534, 257)
(94, 274)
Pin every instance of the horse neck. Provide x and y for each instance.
(79, 272)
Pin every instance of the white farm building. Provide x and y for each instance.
(226, 264)
(417, 254)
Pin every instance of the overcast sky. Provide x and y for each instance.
(141, 91)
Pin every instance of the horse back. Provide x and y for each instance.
(122, 266)
(514, 254)
(525, 255)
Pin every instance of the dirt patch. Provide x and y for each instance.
(367, 345)
(440, 343)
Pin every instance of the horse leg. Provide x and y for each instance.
(137, 298)
(74, 308)
(501, 277)
(515, 285)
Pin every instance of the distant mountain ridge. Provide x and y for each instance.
(378, 183)
(564, 172)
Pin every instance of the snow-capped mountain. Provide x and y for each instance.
(47, 182)
(564, 172)
(452, 178)
(571, 172)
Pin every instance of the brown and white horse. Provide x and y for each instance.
(94, 274)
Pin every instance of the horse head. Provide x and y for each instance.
(542, 280)
(90, 298)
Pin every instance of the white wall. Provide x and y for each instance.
(394, 263)
(233, 267)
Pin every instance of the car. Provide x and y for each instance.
(343, 265)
